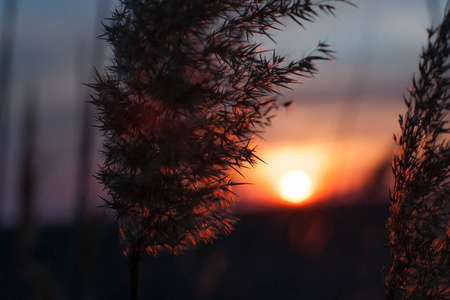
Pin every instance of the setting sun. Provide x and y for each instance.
(295, 186)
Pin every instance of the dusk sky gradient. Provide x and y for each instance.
(339, 129)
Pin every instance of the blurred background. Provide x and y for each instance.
(57, 243)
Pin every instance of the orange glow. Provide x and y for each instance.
(333, 171)
(295, 186)
(265, 189)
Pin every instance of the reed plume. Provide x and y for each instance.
(187, 92)
(419, 232)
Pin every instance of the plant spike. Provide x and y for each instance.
(187, 91)
(419, 232)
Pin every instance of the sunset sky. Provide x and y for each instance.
(338, 131)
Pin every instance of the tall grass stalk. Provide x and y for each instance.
(419, 232)
(8, 36)
(187, 92)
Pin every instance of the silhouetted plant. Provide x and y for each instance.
(187, 91)
(7, 41)
(419, 232)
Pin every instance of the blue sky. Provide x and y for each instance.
(377, 47)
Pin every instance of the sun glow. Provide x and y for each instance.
(266, 190)
(295, 186)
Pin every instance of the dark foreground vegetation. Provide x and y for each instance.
(309, 253)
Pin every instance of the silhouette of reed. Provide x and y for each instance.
(25, 237)
(187, 92)
(83, 245)
(9, 17)
(419, 232)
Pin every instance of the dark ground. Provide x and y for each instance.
(308, 253)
